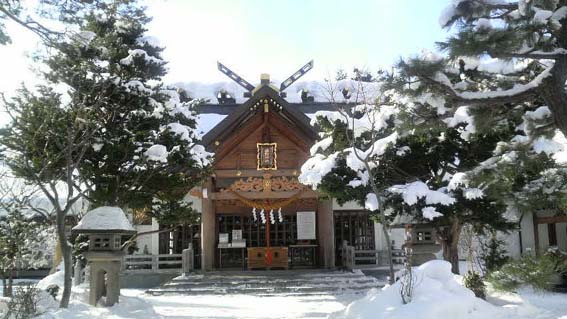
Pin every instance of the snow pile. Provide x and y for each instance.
(128, 307)
(104, 218)
(57, 278)
(437, 295)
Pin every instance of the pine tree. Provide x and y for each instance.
(145, 147)
(527, 41)
(117, 137)
(424, 163)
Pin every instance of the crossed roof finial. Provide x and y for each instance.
(249, 87)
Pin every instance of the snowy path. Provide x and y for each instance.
(525, 305)
(244, 306)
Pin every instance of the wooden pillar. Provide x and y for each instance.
(326, 233)
(208, 236)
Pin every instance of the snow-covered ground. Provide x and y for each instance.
(245, 306)
(136, 304)
(440, 296)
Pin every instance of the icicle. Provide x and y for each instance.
(254, 214)
(280, 218)
(272, 219)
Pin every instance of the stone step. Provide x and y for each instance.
(264, 291)
(262, 281)
(272, 275)
(269, 283)
(268, 286)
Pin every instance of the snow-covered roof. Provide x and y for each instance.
(105, 218)
(206, 121)
(322, 91)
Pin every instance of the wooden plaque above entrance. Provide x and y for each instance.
(267, 156)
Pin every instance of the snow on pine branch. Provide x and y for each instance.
(414, 191)
(316, 167)
(373, 118)
(366, 119)
(157, 153)
(140, 53)
(430, 212)
(517, 89)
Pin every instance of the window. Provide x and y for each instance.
(267, 157)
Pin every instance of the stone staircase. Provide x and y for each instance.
(270, 283)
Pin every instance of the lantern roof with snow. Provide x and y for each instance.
(105, 219)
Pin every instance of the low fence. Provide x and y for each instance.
(352, 258)
(152, 263)
(163, 263)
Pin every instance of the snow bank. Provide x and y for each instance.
(57, 278)
(105, 217)
(128, 307)
(436, 295)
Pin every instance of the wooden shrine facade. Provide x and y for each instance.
(255, 213)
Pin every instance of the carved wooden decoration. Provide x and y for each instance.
(265, 184)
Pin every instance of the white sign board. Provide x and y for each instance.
(223, 238)
(305, 225)
(236, 235)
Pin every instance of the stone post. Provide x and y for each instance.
(188, 260)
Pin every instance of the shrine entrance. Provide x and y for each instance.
(262, 229)
(255, 212)
(282, 234)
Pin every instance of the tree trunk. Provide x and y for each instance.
(389, 250)
(552, 90)
(67, 260)
(450, 243)
(10, 287)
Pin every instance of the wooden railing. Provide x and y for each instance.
(153, 263)
(352, 258)
(378, 257)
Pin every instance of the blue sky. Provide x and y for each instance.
(268, 36)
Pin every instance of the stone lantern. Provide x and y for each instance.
(104, 227)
